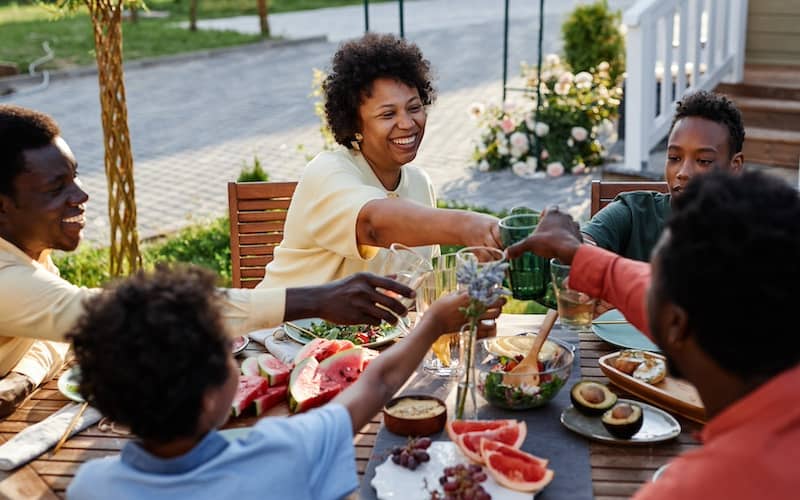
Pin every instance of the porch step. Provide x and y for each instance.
(772, 147)
(777, 114)
(769, 99)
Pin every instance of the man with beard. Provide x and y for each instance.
(42, 208)
(732, 243)
(707, 133)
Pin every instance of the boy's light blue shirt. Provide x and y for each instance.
(309, 456)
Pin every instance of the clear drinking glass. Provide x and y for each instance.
(442, 358)
(407, 267)
(575, 308)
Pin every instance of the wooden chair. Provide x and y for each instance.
(257, 215)
(604, 193)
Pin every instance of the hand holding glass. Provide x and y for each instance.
(576, 309)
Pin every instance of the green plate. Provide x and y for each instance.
(298, 336)
(622, 335)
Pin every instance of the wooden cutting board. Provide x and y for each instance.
(671, 394)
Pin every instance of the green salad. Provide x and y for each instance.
(357, 334)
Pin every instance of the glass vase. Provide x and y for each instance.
(466, 401)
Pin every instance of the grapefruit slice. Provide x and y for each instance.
(488, 446)
(511, 435)
(456, 427)
(516, 473)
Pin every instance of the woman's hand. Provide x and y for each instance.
(480, 230)
(447, 313)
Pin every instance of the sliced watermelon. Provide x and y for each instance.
(518, 474)
(248, 390)
(344, 367)
(272, 397)
(321, 349)
(307, 389)
(456, 427)
(511, 435)
(273, 369)
(250, 367)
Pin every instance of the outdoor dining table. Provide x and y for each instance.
(615, 471)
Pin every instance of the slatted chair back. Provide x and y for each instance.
(604, 193)
(258, 215)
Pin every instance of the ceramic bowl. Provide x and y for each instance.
(415, 415)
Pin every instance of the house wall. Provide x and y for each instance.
(773, 32)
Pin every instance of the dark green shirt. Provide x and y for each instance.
(632, 224)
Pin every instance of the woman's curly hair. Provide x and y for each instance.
(149, 348)
(357, 64)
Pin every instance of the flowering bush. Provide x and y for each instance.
(576, 111)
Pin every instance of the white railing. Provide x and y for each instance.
(704, 37)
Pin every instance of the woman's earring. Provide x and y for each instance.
(357, 143)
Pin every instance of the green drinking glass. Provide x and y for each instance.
(528, 274)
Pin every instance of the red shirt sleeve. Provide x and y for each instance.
(621, 282)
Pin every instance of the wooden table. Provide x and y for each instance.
(617, 471)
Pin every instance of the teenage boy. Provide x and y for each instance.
(706, 133)
(42, 207)
(159, 339)
(719, 300)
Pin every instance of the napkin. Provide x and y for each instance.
(38, 438)
(283, 347)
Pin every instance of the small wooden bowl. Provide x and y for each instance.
(409, 425)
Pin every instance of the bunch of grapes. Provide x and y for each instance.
(462, 482)
(412, 454)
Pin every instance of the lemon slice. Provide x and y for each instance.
(519, 345)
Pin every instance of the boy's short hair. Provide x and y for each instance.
(717, 108)
(149, 347)
(21, 129)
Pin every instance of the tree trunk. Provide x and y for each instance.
(193, 15)
(263, 10)
(124, 254)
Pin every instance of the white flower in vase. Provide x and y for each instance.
(502, 149)
(555, 169)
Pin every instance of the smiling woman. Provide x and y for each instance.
(353, 203)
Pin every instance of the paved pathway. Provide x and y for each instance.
(195, 123)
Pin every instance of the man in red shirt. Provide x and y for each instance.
(719, 301)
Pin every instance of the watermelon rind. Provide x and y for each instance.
(273, 369)
(250, 367)
(272, 397)
(307, 389)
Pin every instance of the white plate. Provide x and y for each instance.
(239, 343)
(70, 376)
(392, 481)
(298, 336)
(658, 425)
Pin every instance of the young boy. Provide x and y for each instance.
(154, 356)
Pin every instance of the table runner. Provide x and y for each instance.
(546, 437)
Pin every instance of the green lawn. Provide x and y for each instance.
(25, 25)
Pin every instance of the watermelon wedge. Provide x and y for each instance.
(272, 369)
(344, 367)
(307, 388)
(250, 367)
(272, 397)
(248, 390)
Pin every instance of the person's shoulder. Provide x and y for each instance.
(325, 161)
(94, 478)
(416, 174)
(639, 197)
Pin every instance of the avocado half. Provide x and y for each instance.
(623, 420)
(592, 398)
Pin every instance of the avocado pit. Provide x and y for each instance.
(623, 420)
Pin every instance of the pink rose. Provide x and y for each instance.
(507, 125)
(555, 169)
